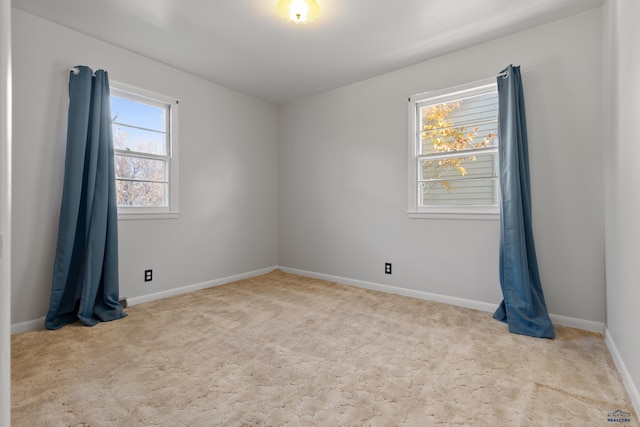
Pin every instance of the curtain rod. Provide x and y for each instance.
(76, 71)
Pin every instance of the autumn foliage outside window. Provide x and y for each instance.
(456, 148)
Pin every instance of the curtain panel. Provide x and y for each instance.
(85, 276)
(523, 307)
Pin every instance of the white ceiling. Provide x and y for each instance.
(245, 45)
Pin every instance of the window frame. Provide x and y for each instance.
(475, 212)
(136, 94)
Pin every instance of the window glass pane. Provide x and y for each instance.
(459, 167)
(455, 143)
(149, 194)
(467, 192)
(142, 141)
(448, 139)
(143, 115)
(469, 180)
(144, 150)
(476, 108)
(137, 168)
(459, 125)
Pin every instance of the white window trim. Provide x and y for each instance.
(455, 212)
(168, 212)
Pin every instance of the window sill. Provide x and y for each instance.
(473, 214)
(127, 216)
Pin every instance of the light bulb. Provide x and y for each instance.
(298, 10)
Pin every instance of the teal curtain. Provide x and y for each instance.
(85, 275)
(523, 307)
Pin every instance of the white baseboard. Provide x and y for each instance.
(631, 387)
(29, 325)
(38, 324)
(131, 301)
(587, 325)
(572, 322)
(461, 302)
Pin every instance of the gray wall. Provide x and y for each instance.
(622, 151)
(228, 176)
(343, 175)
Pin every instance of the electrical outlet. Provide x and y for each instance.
(148, 275)
(387, 268)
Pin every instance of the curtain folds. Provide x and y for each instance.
(85, 275)
(523, 307)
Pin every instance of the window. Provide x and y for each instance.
(145, 157)
(453, 153)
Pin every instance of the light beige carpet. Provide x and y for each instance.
(285, 350)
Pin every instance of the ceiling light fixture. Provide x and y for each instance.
(299, 11)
